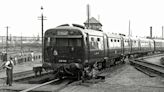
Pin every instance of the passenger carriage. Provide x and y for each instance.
(115, 48)
(159, 45)
(135, 45)
(126, 46)
(146, 45)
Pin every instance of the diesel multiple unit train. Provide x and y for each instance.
(70, 48)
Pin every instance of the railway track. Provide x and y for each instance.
(52, 86)
(148, 68)
(155, 55)
(22, 75)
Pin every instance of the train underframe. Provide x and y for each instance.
(81, 71)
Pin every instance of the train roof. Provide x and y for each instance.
(158, 40)
(80, 28)
(145, 39)
(65, 27)
(113, 35)
(93, 32)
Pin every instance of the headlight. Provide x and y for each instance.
(55, 53)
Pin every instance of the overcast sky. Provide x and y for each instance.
(22, 15)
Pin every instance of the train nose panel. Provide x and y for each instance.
(70, 69)
(65, 54)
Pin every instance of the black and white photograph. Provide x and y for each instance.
(81, 46)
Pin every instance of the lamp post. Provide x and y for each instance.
(42, 30)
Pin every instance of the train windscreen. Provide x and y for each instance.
(63, 42)
(67, 49)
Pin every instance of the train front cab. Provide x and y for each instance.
(64, 49)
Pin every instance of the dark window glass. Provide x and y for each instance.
(98, 39)
(92, 39)
(63, 42)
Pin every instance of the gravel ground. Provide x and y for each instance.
(126, 80)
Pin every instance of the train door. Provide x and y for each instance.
(122, 45)
(105, 40)
(87, 48)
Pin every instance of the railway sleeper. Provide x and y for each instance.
(152, 71)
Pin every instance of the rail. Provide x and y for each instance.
(29, 89)
(19, 75)
(155, 55)
(144, 65)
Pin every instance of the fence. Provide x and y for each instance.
(22, 58)
(16, 43)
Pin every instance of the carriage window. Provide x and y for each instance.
(114, 40)
(96, 44)
(98, 39)
(92, 39)
(111, 40)
(118, 40)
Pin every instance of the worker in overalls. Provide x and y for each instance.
(9, 71)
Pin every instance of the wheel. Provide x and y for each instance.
(123, 60)
(79, 75)
(104, 64)
(100, 65)
(83, 76)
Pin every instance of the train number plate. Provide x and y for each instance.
(63, 61)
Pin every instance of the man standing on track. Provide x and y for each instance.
(9, 71)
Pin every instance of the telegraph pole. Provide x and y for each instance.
(6, 40)
(88, 14)
(42, 30)
(21, 45)
(162, 32)
(129, 29)
(151, 34)
(2, 43)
